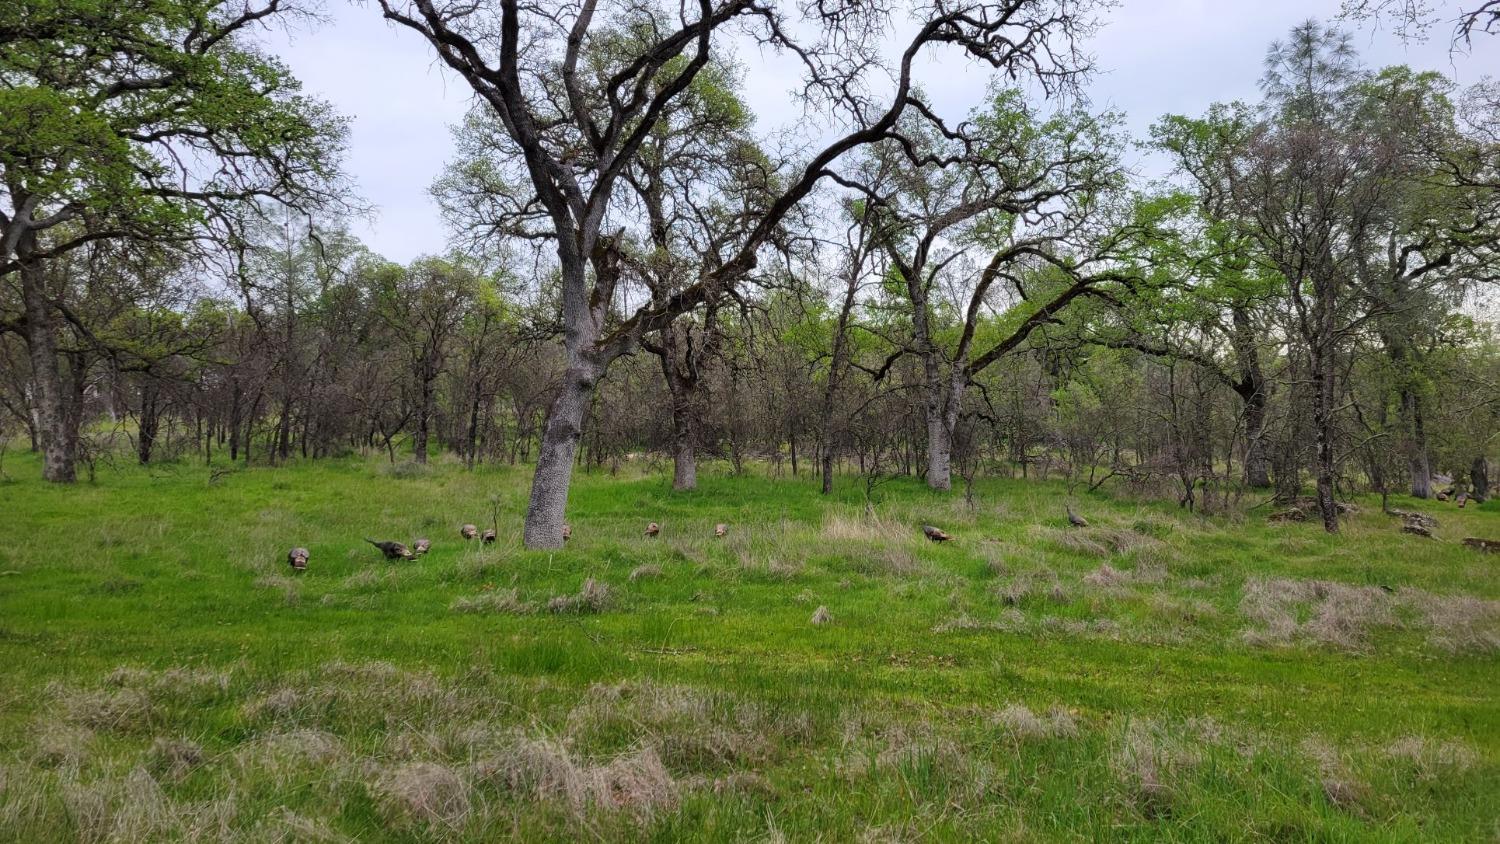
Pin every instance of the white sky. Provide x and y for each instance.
(1155, 56)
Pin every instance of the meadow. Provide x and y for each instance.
(1157, 675)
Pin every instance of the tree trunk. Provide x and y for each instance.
(939, 448)
(51, 417)
(1323, 418)
(1251, 386)
(424, 411)
(554, 464)
(836, 367)
(1479, 476)
(471, 437)
(1417, 458)
(149, 421)
(1257, 458)
(684, 462)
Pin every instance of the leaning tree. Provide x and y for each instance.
(577, 89)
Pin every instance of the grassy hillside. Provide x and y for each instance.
(1155, 676)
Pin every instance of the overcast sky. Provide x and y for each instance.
(1155, 57)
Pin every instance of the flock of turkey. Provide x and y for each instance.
(297, 557)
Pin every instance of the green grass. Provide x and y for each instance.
(165, 676)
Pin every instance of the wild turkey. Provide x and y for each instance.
(1442, 496)
(1076, 520)
(1463, 498)
(653, 529)
(488, 537)
(935, 534)
(392, 550)
(721, 529)
(567, 532)
(422, 546)
(468, 531)
(297, 558)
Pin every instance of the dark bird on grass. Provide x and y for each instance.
(422, 546)
(392, 550)
(653, 529)
(720, 529)
(936, 534)
(567, 532)
(1463, 498)
(1076, 520)
(468, 531)
(297, 557)
(488, 537)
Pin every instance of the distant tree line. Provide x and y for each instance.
(638, 276)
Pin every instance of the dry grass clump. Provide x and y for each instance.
(1075, 541)
(286, 751)
(1148, 759)
(1101, 627)
(1338, 785)
(821, 616)
(635, 782)
(910, 752)
(593, 597)
(1106, 576)
(1183, 610)
(174, 758)
(284, 825)
(1337, 614)
(1043, 581)
(134, 808)
(1021, 723)
(1125, 541)
(782, 570)
(1109, 578)
(897, 559)
(176, 682)
(495, 601)
(422, 794)
(845, 528)
(126, 710)
(690, 728)
(1010, 621)
(1457, 623)
(62, 746)
(645, 572)
(1428, 760)
(357, 696)
(288, 704)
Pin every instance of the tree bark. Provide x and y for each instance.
(1479, 477)
(837, 364)
(1326, 372)
(1417, 457)
(554, 464)
(424, 414)
(1257, 456)
(149, 421)
(51, 416)
(1252, 389)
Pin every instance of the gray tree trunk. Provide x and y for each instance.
(1326, 371)
(58, 449)
(1257, 456)
(1417, 457)
(554, 464)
